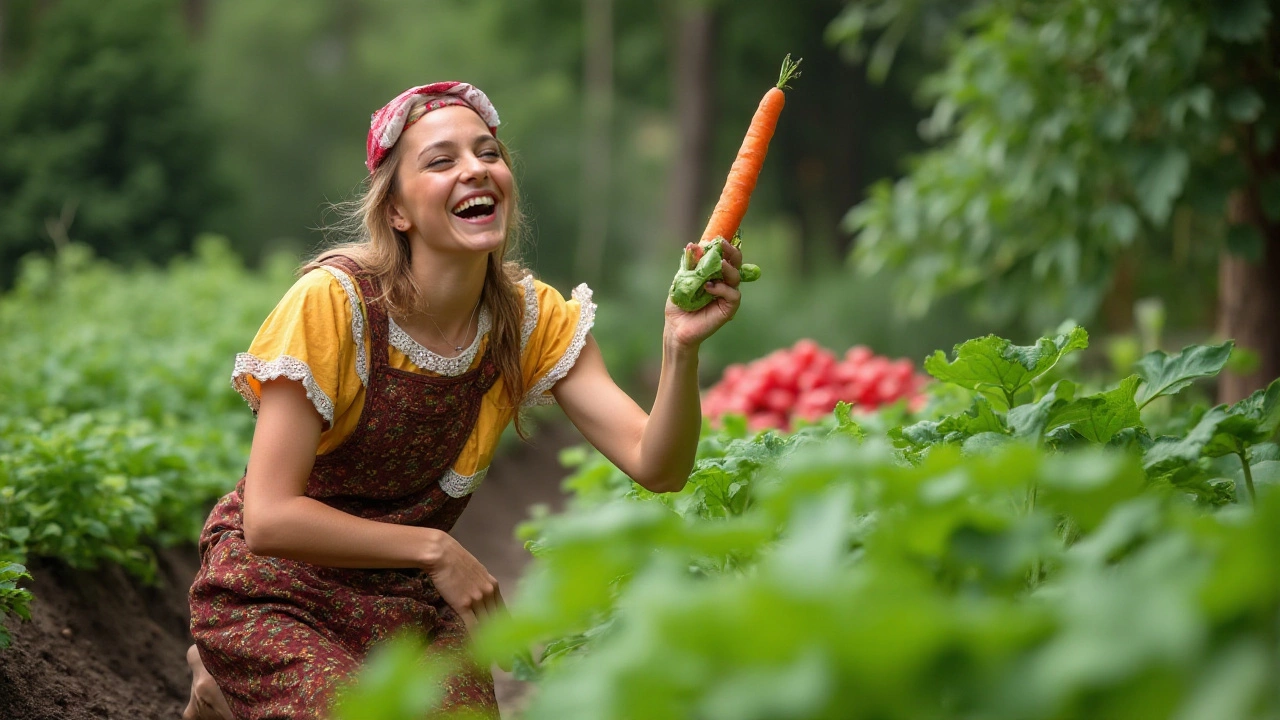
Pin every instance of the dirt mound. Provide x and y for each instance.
(101, 644)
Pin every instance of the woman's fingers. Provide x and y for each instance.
(732, 275)
(731, 296)
(731, 253)
(492, 598)
(468, 618)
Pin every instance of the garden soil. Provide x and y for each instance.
(101, 644)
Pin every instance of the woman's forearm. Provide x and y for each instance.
(305, 529)
(281, 521)
(670, 439)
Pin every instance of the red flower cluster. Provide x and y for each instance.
(806, 381)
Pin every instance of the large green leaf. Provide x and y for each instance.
(1031, 420)
(1221, 431)
(1168, 453)
(1248, 422)
(1099, 417)
(916, 436)
(1001, 370)
(1163, 374)
(979, 418)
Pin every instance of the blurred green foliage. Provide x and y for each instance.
(119, 427)
(1075, 137)
(102, 139)
(293, 137)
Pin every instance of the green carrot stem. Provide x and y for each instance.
(789, 71)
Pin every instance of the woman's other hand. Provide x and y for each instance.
(461, 580)
(689, 329)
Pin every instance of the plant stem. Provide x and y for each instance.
(1248, 473)
(1035, 565)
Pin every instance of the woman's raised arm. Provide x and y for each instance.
(655, 449)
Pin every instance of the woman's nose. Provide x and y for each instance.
(475, 169)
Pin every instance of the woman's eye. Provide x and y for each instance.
(438, 162)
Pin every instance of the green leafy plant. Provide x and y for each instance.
(14, 600)
(1037, 554)
(119, 427)
(1075, 139)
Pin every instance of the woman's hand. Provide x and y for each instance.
(689, 329)
(461, 580)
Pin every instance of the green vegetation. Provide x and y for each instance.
(13, 599)
(101, 138)
(1076, 142)
(1035, 546)
(119, 427)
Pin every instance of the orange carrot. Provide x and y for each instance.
(738, 187)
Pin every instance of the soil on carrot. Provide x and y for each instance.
(101, 644)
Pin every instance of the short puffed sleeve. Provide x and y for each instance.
(306, 338)
(554, 332)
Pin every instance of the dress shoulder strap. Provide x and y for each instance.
(377, 322)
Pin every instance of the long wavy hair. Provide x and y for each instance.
(363, 232)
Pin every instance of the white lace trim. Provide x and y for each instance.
(357, 322)
(427, 360)
(456, 486)
(285, 366)
(540, 393)
(530, 312)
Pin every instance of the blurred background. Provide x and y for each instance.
(941, 170)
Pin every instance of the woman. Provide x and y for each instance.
(381, 382)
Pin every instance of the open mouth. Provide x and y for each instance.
(476, 208)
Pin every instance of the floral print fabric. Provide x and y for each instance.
(279, 635)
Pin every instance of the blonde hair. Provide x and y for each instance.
(364, 234)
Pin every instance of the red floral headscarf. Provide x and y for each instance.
(388, 123)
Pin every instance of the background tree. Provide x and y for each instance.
(1083, 140)
(101, 139)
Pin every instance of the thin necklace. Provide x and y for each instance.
(466, 330)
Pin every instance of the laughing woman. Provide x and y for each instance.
(381, 384)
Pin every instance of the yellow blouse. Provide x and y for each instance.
(316, 335)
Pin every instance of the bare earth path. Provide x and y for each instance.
(102, 645)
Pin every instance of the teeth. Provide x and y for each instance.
(482, 200)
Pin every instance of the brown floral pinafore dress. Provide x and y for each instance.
(279, 635)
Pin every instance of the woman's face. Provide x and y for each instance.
(454, 190)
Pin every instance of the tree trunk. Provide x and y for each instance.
(195, 12)
(593, 218)
(693, 92)
(1249, 301)
(1249, 313)
(1117, 304)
